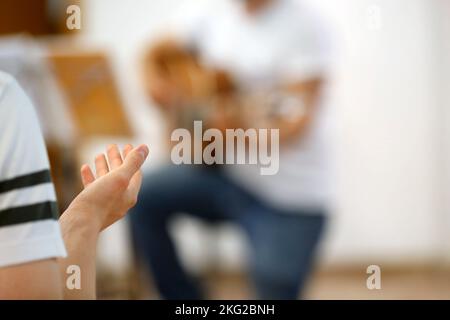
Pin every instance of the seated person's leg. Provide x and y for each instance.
(283, 249)
(174, 189)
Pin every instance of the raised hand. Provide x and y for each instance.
(109, 194)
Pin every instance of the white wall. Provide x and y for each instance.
(445, 107)
(389, 205)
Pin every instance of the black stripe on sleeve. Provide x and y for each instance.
(35, 212)
(24, 181)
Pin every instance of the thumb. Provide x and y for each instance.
(134, 160)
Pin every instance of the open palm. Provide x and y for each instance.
(114, 189)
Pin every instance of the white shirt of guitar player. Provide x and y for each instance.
(285, 43)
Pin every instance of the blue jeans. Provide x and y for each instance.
(282, 244)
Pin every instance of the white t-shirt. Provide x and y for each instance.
(29, 230)
(283, 44)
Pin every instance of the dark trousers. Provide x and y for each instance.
(282, 244)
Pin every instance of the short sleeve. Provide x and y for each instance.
(310, 52)
(29, 229)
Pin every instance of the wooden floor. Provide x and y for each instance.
(417, 283)
(395, 284)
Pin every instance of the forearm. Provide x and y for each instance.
(296, 124)
(292, 130)
(80, 236)
(104, 200)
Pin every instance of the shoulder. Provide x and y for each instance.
(309, 24)
(199, 13)
(6, 81)
(305, 16)
(14, 102)
(12, 96)
(20, 133)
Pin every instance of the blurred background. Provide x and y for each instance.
(390, 88)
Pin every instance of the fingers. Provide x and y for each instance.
(114, 157)
(101, 166)
(129, 167)
(136, 180)
(87, 177)
(135, 185)
(126, 150)
(134, 160)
